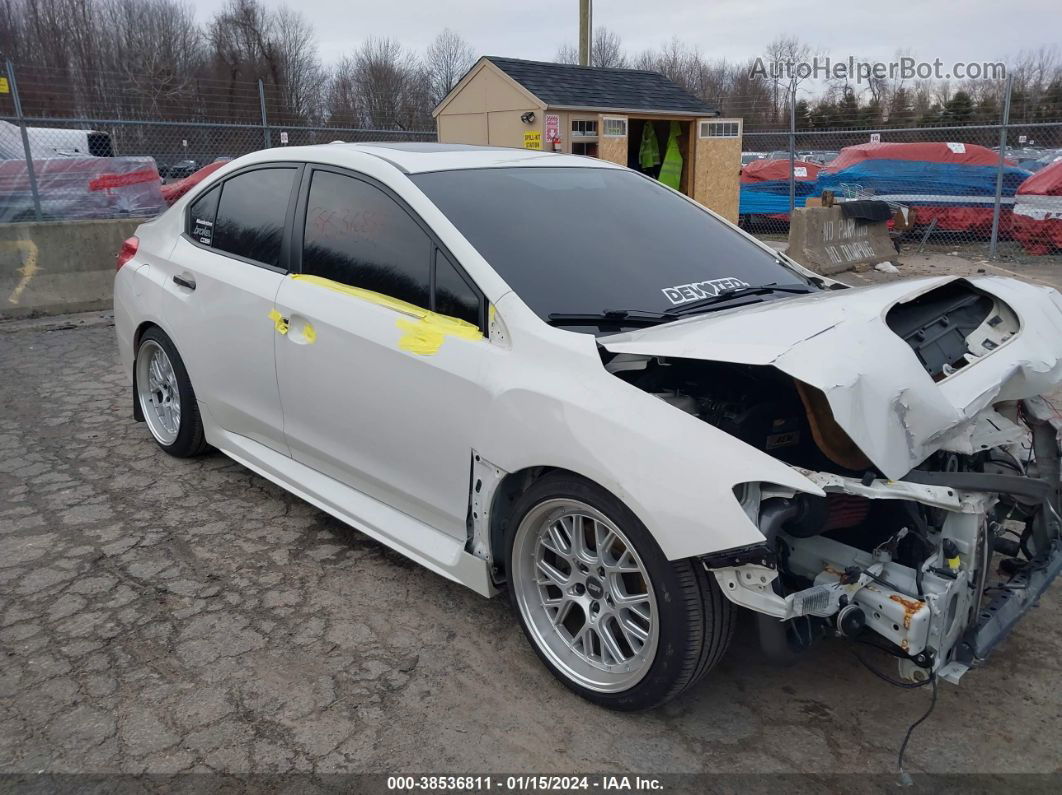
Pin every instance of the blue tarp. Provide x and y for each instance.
(920, 182)
(772, 197)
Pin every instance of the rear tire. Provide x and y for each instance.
(165, 396)
(604, 609)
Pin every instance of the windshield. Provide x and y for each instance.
(591, 240)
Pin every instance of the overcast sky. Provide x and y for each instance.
(971, 30)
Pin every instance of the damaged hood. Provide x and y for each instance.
(878, 390)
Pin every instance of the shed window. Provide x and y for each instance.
(584, 128)
(720, 129)
(616, 128)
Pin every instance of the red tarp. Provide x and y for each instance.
(973, 220)
(176, 190)
(1045, 182)
(777, 170)
(1037, 217)
(931, 152)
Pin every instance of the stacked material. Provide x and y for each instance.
(1037, 219)
(765, 186)
(951, 184)
(74, 188)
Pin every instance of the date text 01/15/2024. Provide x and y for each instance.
(522, 783)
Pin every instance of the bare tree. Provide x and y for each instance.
(749, 96)
(131, 59)
(607, 51)
(240, 38)
(383, 86)
(567, 53)
(250, 43)
(342, 103)
(158, 47)
(48, 28)
(446, 60)
(785, 57)
(1033, 72)
(677, 61)
(15, 40)
(300, 65)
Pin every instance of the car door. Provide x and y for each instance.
(228, 266)
(373, 393)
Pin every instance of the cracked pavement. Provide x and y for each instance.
(161, 615)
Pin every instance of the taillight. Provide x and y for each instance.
(127, 251)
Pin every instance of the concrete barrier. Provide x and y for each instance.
(62, 266)
(822, 239)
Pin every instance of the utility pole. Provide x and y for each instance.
(792, 149)
(1008, 86)
(586, 35)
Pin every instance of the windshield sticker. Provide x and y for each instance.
(682, 293)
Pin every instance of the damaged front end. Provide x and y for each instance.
(941, 564)
(940, 525)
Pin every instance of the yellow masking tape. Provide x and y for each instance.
(365, 295)
(309, 333)
(279, 323)
(426, 336)
(425, 331)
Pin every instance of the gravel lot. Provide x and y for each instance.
(160, 615)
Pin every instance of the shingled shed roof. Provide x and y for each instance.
(570, 86)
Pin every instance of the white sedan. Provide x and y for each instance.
(553, 376)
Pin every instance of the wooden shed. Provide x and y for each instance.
(597, 112)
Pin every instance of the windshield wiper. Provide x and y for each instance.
(738, 292)
(612, 317)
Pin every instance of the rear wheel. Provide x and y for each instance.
(605, 610)
(165, 396)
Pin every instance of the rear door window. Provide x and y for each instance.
(252, 212)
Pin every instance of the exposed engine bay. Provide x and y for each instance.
(940, 563)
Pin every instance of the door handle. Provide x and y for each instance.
(301, 330)
(184, 280)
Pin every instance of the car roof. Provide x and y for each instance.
(420, 157)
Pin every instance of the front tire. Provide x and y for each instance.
(165, 396)
(604, 609)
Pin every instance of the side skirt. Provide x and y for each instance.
(420, 543)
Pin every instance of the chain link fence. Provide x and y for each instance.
(964, 188)
(125, 147)
(117, 145)
(947, 189)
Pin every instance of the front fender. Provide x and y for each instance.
(675, 472)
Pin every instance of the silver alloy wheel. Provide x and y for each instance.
(157, 391)
(585, 594)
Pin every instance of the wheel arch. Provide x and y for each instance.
(507, 492)
(138, 334)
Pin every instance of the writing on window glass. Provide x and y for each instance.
(347, 222)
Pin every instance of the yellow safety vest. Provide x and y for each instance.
(649, 151)
(671, 170)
